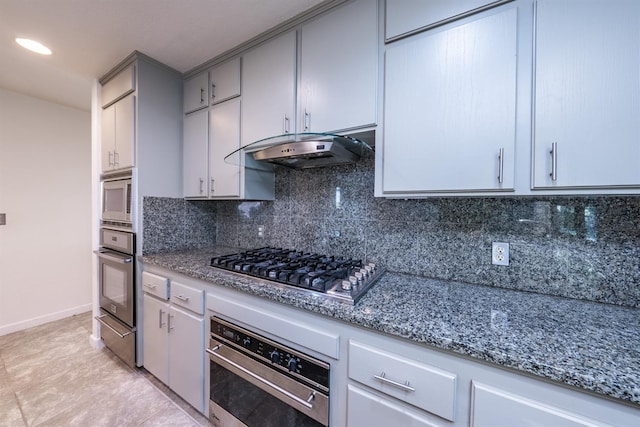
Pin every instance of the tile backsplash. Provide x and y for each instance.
(578, 247)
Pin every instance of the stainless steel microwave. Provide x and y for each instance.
(116, 199)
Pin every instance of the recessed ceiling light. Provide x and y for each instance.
(34, 46)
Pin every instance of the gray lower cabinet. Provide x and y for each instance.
(375, 379)
(173, 337)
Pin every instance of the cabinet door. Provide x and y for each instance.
(120, 85)
(194, 154)
(156, 338)
(450, 108)
(108, 137)
(339, 69)
(125, 132)
(224, 139)
(196, 92)
(225, 81)
(406, 16)
(366, 409)
(268, 89)
(186, 355)
(587, 94)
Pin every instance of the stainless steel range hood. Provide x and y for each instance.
(307, 150)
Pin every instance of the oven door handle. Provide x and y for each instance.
(99, 319)
(120, 260)
(305, 403)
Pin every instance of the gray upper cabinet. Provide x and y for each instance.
(450, 108)
(119, 86)
(338, 75)
(196, 92)
(587, 95)
(269, 89)
(225, 81)
(195, 152)
(404, 17)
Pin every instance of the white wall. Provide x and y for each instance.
(45, 190)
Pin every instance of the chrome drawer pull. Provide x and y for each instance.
(150, 286)
(382, 377)
(99, 319)
(181, 298)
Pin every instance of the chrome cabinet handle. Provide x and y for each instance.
(554, 161)
(307, 119)
(160, 313)
(285, 124)
(169, 327)
(116, 158)
(99, 319)
(150, 286)
(111, 158)
(264, 381)
(201, 95)
(501, 165)
(212, 186)
(213, 91)
(201, 185)
(382, 377)
(119, 260)
(181, 298)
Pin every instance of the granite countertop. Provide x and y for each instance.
(592, 346)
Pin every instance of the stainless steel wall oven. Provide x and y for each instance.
(116, 269)
(255, 381)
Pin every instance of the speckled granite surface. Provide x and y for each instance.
(588, 345)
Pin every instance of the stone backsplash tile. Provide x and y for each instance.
(577, 247)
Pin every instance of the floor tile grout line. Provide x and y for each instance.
(168, 398)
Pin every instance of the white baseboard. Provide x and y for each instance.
(96, 342)
(40, 320)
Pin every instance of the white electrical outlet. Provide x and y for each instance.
(261, 231)
(500, 253)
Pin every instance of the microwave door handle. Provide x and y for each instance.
(119, 260)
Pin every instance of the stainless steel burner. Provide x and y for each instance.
(337, 278)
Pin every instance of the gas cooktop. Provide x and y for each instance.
(333, 277)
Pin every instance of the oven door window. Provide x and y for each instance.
(250, 404)
(115, 284)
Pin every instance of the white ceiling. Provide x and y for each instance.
(89, 37)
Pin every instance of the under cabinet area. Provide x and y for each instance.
(173, 331)
(450, 108)
(587, 94)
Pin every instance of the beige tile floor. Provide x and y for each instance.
(51, 376)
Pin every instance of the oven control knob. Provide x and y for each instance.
(246, 342)
(292, 364)
(275, 356)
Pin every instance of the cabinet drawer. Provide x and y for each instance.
(187, 297)
(119, 86)
(155, 285)
(494, 407)
(418, 384)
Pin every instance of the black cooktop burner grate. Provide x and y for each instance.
(341, 278)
